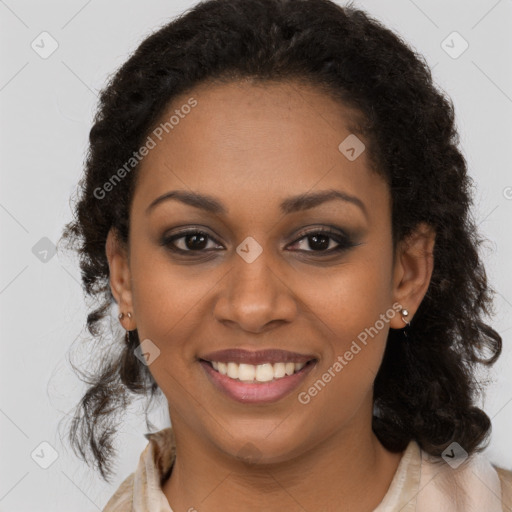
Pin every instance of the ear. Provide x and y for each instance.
(414, 263)
(120, 277)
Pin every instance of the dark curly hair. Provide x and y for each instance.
(425, 388)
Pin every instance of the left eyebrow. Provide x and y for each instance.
(289, 205)
(312, 199)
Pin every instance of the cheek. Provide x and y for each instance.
(351, 297)
(168, 301)
(353, 309)
(354, 346)
(164, 292)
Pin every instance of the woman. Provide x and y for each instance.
(275, 201)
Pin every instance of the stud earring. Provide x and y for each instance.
(405, 314)
(121, 315)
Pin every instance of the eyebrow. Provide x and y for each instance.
(290, 205)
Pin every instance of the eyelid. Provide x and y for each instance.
(169, 240)
(343, 239)
(326, 229)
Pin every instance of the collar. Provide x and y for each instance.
(421, 483)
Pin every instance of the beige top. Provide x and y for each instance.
(422, 483)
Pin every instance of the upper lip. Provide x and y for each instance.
(238, 355)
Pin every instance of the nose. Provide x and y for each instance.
(255, 297)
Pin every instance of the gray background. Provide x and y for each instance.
(46, 113)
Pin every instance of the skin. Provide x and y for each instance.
(251, 146)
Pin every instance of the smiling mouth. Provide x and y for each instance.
(260, 373)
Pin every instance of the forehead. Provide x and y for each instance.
(251, 144)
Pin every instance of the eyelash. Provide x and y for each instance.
(344, 241)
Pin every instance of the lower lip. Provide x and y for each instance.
(253, 393)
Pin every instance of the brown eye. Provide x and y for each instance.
(321, 241)
(188, 241)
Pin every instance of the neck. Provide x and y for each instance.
(349, 470)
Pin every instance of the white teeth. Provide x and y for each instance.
(279, 370)
(232, 370)
(264, 372)
(257, 373)
(246, 371)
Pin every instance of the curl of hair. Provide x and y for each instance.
(425, 388)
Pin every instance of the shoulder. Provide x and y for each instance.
(457, 483)
(155, 463)
(505, 477)
(122, 499)
(163, 451)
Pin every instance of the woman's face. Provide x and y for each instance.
(254, 279)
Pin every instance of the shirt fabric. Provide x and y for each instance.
(422, 483)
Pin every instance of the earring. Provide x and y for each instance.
(127, 334)
(405, 314)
